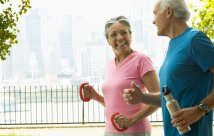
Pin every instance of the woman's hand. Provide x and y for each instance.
(123, 121)
(89, 92)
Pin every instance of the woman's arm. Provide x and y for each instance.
(99, 99)
(152, 84)
(91, 93)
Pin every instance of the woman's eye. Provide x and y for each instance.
(113, 35)
(124, 33)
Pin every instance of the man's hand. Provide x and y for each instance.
(186, 117)
(132, 95)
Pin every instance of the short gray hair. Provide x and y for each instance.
(179, 7)
(121, 19)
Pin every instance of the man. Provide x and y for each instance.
(188, 70)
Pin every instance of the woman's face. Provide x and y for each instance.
(119, 38)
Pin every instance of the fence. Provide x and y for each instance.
(50, 105)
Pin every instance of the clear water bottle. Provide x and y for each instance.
(172, 106)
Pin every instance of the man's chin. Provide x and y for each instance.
(161, 34)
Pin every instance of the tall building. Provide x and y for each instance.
(66, 46)
(95, 58)
(33, 37)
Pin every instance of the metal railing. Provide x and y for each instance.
(50, 105)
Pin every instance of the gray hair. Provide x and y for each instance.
(179, 7)
(121, 19)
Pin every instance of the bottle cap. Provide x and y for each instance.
(166, 90)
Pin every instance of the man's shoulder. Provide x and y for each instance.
(193, 31)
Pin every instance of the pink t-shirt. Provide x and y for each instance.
(119, 77)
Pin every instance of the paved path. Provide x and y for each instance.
(74, 131)
(157, 130)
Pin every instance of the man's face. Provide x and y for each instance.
(160, 19)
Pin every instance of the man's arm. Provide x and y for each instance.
(209, 100)
(188, 116)
(152, 99)
(134, 96)
(151, 82)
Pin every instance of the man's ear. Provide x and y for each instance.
(169, 12)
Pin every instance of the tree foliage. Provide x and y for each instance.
(9, 18)
(204, 18)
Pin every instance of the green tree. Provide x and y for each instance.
(9, 18)
(204, 18)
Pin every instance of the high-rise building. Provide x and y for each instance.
(66, 46)
(34, 39)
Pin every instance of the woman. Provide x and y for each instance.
(128, 65)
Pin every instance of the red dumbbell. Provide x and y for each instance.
(81, 94)
(115, 125)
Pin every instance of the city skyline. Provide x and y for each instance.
(57, 46)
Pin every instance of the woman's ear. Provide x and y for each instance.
(108, 42)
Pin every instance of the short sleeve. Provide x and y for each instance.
(202, 51)
(145, 65)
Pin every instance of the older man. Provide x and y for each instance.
(188, 70)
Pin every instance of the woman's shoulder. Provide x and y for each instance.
(140, 55)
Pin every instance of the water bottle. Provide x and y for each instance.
(173, 106)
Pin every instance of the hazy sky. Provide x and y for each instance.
(89, 7)
(82, 6)
(86, 4)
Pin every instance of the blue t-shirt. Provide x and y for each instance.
(185, 71)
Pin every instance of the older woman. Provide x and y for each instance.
(127, 66)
